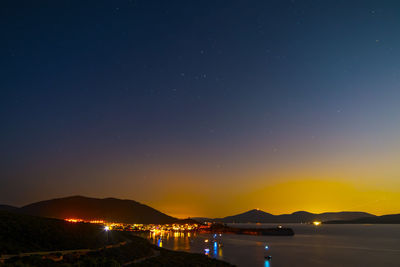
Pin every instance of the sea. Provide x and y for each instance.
(349, 245)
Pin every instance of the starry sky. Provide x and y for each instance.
(202, 108)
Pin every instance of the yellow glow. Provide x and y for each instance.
(317, 223)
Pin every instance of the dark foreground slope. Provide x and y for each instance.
(128, 255)
(181, 259)
(24, 233)
(258, 216)
(109, 209)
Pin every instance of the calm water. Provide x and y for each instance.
(325, 245)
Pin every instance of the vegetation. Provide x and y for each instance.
(35, 261)
(137, 248)
(120, 256)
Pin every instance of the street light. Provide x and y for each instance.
(107, 229)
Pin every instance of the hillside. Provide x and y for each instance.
(7, 208)
(109, 209)
(258, 216)
(24, 233)
(385, 219)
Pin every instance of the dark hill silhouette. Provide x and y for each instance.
(249, 216)
(303, 216)
(258, 216)
(108, 209)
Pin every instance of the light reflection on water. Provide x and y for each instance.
(327, 245)
(188, 241)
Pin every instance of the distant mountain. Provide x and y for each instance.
(249, 216)
(385, 219)
(108, 209)
(258, 216)
(303, 216)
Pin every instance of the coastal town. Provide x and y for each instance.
(176, 227)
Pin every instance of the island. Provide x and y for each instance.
(224, 228)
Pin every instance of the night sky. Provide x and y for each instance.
(202, 108)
